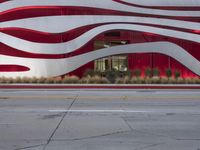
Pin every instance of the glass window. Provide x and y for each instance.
(119, 62)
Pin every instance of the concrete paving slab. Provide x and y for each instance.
(64, 145)
(129, 140)
(177, 126)
(177, 145)
(25, 129)
(34, 148)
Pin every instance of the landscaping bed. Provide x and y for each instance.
(150, 76)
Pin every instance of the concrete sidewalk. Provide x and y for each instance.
(40, 119)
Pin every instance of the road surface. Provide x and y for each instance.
(99, 119)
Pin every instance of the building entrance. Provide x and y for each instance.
(118, 63)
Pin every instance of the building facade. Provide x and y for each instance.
(48, 38)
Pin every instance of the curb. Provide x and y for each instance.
(97, 86)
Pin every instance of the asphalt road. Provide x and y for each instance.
(99, 119)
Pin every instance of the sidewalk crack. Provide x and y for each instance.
(65, 114)
(24, 148)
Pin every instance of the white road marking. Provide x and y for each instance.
(99, 111)
(108, 111)
(152, 111)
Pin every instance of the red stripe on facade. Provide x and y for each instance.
(13, 68)
(2, 1)
(39, 11)
(43, 37)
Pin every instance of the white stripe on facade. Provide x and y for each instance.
(57, 67)
(70, 46)
(66, 23)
